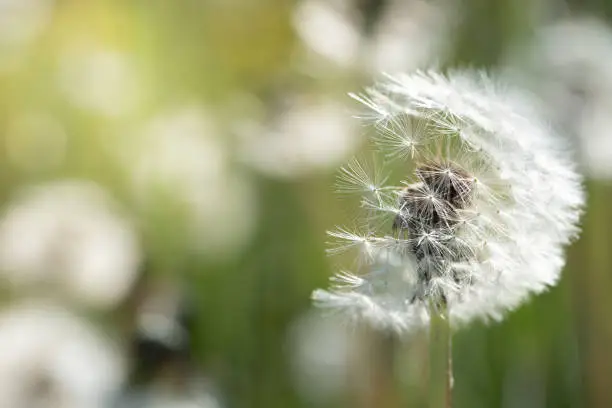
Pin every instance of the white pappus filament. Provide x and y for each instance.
(486, 201)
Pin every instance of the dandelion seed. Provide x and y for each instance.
(356, 177)
(347, 240)
(404, 134)
(483, 215)
(347, 279)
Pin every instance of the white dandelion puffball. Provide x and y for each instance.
(70, 238)
(487, 201)
(50, 358)
(568, 64)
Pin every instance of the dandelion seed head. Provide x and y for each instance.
(482, 214)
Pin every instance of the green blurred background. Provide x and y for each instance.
(124, 93)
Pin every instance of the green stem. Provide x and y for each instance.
(440, 360)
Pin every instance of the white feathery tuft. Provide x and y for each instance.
(489, 199)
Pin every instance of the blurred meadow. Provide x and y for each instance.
(167, 178)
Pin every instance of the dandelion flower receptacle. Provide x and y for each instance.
(487, 200)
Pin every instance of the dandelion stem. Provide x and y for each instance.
(440, 359)
(450, 379)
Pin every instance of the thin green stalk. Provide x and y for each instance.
(440, 360)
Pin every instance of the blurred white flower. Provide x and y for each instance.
(195, 391)
(568, 64)
(159, 318)
(100, 80)
(163, 399)
(180, 157)
(323, 353)
(21, 21)
(330, 29)
(407, 35)
(51, 359)
(480, 223)
(68, 237)
(310, 136)
(411, 34)
(35, 141)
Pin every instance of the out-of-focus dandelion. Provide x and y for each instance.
(162, 338)
(69, 238)
(480, 222)
(199, 394)
(50, 358)
(21, 22)
(323, 355)
(158, 322)
(181, 169)
(568, 64)
(101, 81)
(165, 372)
(411, 34)
(329, 29)
(310, 136)
(406, 34)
